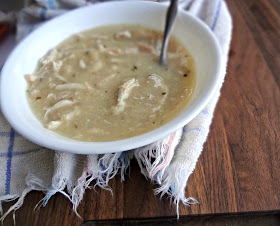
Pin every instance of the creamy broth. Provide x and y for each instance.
(106, 84)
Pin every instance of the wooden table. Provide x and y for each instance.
(237, 177)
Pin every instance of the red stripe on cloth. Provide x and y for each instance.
(168, 155)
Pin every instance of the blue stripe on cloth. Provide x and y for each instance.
(7, 134)
(15, 153)
(9, 162)
(205, 112)
(51, 4)
(186, 130)
(217, 13)
(43, 14)
(4, 134)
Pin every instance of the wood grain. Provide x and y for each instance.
(239, 169)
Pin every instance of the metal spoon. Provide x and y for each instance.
(170, 17)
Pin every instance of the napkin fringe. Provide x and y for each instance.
(173, 185)
(106, 168)
(33, 183)
(6, 198)
(17, 205)
(102, 170)
(154, 158)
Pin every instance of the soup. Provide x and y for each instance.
(105, 84)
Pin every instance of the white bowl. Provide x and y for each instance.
(192, 33)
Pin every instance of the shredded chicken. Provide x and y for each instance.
(53, 125)
(60, 104)
(32, 78)
(115, 52)
(159, 82)
(150, 49)
(123, 34)
(35, 93)
(51, 96)
(123, 94)
(59, 77)
(144, 48)
(157, 79)
(82, 64)
(56, 65)
(72, 114)
(50, 57)
(64, 95)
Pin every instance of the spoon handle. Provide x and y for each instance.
(170, 17)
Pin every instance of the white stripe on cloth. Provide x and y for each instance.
(25, 166)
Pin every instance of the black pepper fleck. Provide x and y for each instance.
(134, 68)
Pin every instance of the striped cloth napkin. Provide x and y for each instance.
(25, 166)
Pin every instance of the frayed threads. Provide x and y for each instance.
(6, 198)
(102, 168)
(17, 205)
(174, 185)
(33, 183)
(154, 159)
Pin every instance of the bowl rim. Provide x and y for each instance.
(83, 147)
